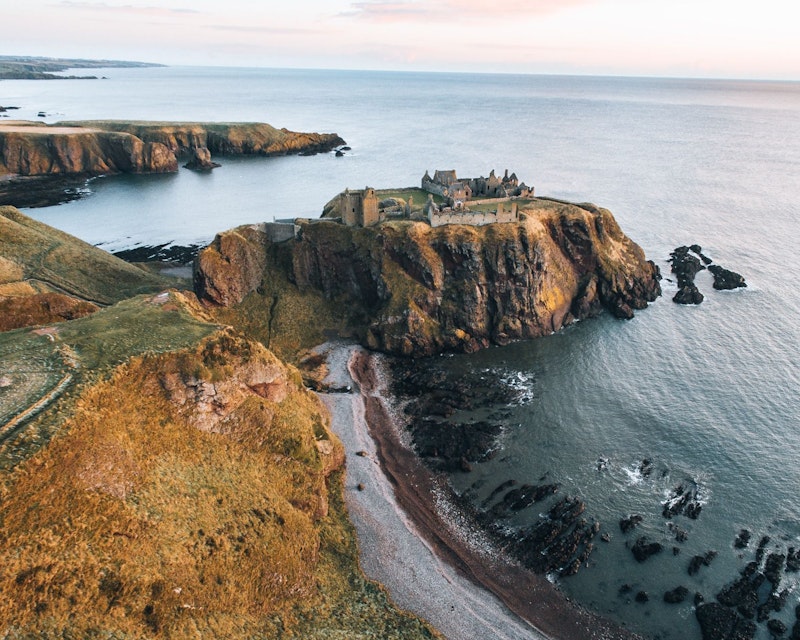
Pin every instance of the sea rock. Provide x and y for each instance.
(701, 560)
(642, 597)
(630, 523)
(776, 628)
(678, 594)
(683, 501)
(720, 623)
(685, 266)
(742, 539)
(725, 279)
(642, 549)
(201, 160)
(688, 294)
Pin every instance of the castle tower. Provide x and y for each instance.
(369, 208)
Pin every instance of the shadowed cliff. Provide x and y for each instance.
(407, 288)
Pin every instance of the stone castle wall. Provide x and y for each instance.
(476, 218)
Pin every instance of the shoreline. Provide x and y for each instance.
(506, 600)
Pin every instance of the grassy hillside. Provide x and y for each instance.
(163, 476)
(52, 260)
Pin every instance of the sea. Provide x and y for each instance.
(708, 394)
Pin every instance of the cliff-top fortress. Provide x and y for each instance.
(361, 208)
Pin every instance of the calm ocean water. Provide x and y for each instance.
(709, 393)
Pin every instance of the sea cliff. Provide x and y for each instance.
(90, 148)
(408, 289)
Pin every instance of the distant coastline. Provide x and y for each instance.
(41, 68)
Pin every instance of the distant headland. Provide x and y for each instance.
(41, 68)
(36, 159)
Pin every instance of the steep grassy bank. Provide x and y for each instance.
(163, 476)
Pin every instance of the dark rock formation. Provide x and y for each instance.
(678, 594)
(725, 279)
(685, 267)
(701, 561)
(742, 539)
(776, 628)
(417, 290)
(720, 623)
(201, 160)
(683, 501)
(687, 262)
(642, 597)
(642, 549)
(630, 523)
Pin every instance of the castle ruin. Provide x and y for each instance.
(490, 199)
(358, 208)
(456, 192)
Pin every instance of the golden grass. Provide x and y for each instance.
(66, 263)
(135, 523)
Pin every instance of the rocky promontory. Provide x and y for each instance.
(223, 138)
(406, 288)
(34, 151)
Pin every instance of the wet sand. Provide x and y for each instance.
(411, 538)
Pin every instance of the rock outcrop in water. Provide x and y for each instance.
(687, 262)
(410, 289)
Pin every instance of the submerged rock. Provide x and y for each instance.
(678, 594)
(642, 549)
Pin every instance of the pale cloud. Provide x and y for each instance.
(277, 31)
(444, 10)
(124, 9)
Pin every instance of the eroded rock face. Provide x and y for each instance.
(41, 151)
(231, 266)
(201, 160)
(420, 290)
(225, 138)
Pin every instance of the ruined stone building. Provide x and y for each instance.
(457, 191)
(505, 212)
(358, 208)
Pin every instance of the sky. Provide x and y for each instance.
(697, 38)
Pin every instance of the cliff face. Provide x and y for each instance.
(414, 290)
(31, 150)
(104, 147)
(224, 138)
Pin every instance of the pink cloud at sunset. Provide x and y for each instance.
(617, 37)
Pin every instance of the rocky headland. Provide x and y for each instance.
(35, 156)
(406, 288)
